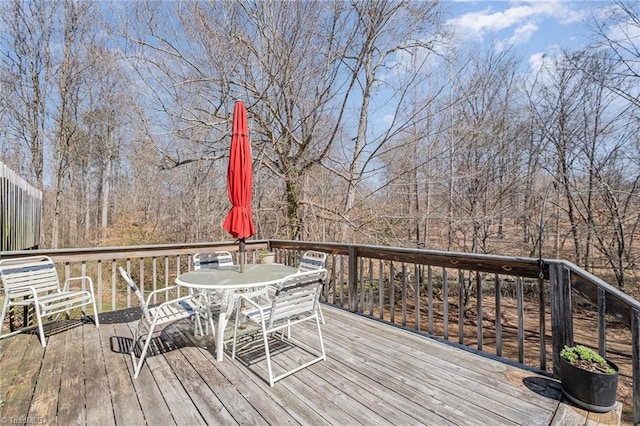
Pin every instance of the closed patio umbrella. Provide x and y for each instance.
(239, 221)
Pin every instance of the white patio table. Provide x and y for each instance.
(231, 282)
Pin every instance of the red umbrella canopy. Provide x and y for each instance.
(239, 221)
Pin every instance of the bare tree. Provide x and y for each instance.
(70, 78)
(616, 37)
(607, 160)
(488, 162)
(386, 33)
(556, 99)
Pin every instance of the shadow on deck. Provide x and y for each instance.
(375, 374)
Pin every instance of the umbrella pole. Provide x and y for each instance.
(242, 255)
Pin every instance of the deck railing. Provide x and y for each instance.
(520, 309)
(523, 309)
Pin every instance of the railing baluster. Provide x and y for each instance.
(479, 309)
(404, 294)
(166, 276)
(154, 281)
(361, 284)
(602, 322)
(177, 273)
(542, 323)
(333, 278)
(141, 274)
(392, 293)
(67, 274)
(381, 287)
(461, 307)
(430, 296)
(83, 272)
(113, 285)
(416, 296)
(498, 319)
(353, 279)
(370, 286)
(341, 281)
(128, 289)
(635, 361)
(520, 307)
(445, 300)
(99, 285)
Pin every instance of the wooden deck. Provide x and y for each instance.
(375, 374)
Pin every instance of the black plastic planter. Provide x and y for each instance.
(591, 391)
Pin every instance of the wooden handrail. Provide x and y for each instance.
(123, 252)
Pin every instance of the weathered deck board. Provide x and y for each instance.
(22, 372)
(375, 374)
(99, 406)
(128, 402)
(462, 378)
(45, 398)
(71, 399)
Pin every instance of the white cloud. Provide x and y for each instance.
(517, 23)
(625, 32)
(521, 35)
(543, 65)
(538, 61)
(487, 21)
(388, 119)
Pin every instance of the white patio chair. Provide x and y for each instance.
(310, 261)
(295, 301)
(34, 281)
(215, 259)
(153, 317)
(213, 299)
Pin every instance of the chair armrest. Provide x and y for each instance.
(35, 294)
(84, 277)
(174, 301)
(179, 301)
(254, 304)
(160, 290)
(251, 301)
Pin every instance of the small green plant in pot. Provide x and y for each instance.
(588, 379)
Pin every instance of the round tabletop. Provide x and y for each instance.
(230, 277)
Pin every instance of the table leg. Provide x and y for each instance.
(226, 309)
(222, 324)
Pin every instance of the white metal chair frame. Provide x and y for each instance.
(33, 280)
(312, 260)
(165, 313)
(295, 301)
(212, 299)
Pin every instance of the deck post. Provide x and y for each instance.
(353, 279)
(561, 312)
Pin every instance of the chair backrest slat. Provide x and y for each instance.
(312, 260)
(296, 296)
(212, 260)
(19, 275)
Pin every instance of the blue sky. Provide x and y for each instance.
(530, 28)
